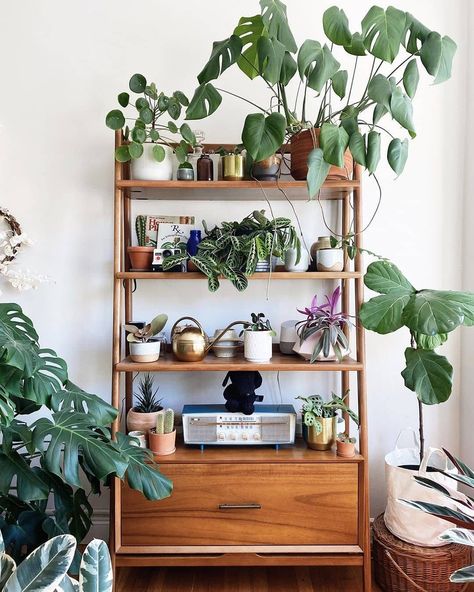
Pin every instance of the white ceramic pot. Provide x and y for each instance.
(305, 349)
(290, 260)
(258, 346)
(145, 352)
(288, 337)
(140, 437)
(330, 260)
(146, 168)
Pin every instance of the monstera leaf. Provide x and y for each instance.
(224, 54)
(318, 170)
(205, 101)
(69, 435)
(276, 23)
(72, 397)
(48, 376)
(262, 136)
(29, 485)
(383, 31)
(250, 29)
(17, 335)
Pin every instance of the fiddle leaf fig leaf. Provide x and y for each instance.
(262, 136)
(430, 341)
(336, 26)
(339, 83)
(402, 110)
(383, 314)
(276, 23)
(382, 31)
(318, 170)
(397, 154)
(411, 77)
(205, 101)
(224, 54)
(385, 277)
(334, 141)
(429, 375)
(250, 29)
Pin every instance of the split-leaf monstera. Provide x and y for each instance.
(429, 315)
(53, 457)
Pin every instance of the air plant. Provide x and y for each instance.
(136, 335)
(325, 320)
(147, 400)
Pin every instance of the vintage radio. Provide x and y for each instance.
(214, 425)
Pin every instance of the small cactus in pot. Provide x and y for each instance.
(162, 438)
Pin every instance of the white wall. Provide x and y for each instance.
(63, 65)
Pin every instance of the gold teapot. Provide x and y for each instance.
(191, 344)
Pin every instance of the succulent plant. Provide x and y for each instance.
(160, 423)
(147, 400)
(140, 228)
(143, 335)
(345, 438)
(165, 422)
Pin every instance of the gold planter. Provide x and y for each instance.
(233, 167)
(321, 436)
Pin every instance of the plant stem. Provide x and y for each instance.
(422, 430)
(352, 81)
(242, 98)
(285, 104)
(362, 122)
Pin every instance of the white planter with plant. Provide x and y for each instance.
(142, 416)
(321, 335)
(330, 260)
(258, 339)
(143, 348)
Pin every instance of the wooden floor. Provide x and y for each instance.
(240, 579)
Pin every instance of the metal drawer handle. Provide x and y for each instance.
(240, 507)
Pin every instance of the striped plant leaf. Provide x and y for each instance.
(465, 574)
(95, 572)
(233, 258)
(204, 265)
(207, 245)
(173, 260)
(2, 543)
(454, 516)
(252, 259)
(213, 283)
(460, 536)
(228, 272)
(240, 281)
(68, 585)
(262, 252)
(7, 567)
(45, 568)
(235, 242)
(269, 243)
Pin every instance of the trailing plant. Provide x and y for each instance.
(136, 335)
(233, 249)
(46, 568)
(394, 42)
(147, 126)
(429, 316)
(45, 463)
(259, 323)
(345, 438)
(315, 408)
(146, 400)
(328, 322)
(460, 511)
(165, 422)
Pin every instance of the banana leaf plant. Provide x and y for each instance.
(460, 511)
(393, 42)
(60, 459)
(429, 316)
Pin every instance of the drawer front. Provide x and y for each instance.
(240, 504)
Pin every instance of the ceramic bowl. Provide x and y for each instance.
(226, 351)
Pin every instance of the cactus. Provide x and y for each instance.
(168, 421)
(140, 228)
(160, 423)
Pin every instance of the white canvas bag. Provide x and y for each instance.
(409, 524)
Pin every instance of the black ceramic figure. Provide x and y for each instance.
(240, 393)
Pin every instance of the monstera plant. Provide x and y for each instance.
(429, 316)
(45, 462)
(393, 42)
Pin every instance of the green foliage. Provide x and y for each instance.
(168, 424)
(146, 400)
(259, 323)
(315, 408)
(51, 459)
(160, 424)
(151, 106)
(136, 335)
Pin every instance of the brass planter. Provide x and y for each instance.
(321, 436)
(233, 167)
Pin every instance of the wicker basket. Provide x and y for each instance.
(401, 567)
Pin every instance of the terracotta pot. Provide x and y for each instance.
(301, 146)
(141, 422)
(140, 258)
(162, 444)
(345, 449)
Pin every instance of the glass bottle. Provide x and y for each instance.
(205, 168)
(193, 242)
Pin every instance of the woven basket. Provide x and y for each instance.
(401, 567)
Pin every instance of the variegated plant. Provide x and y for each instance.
(460, 511)
(45, 570)
(136, 335)
(233, 249)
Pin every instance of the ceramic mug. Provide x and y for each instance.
(140, 436)
(290, 260)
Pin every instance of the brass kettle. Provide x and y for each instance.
(191, 344)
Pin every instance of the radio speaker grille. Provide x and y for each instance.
(202, 429)
(275, 429)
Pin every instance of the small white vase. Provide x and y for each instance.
(288, 337)
(305, 349)
(258, 346)
(145, 352)
(146, 168)
(330, 260)
(290, 260)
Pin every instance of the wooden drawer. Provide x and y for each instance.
(293, 504)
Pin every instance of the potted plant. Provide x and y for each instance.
(162, 437)
(234, 249)
(345, 126)
(345, 445)
(258, 339)
(149, 143)
(143, 348)
(141, 256)
(321, 334)
(331, 257)
(320, 420)
(142, 416)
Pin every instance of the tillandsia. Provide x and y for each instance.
(328, 323)
(144, 334)
(315, 408)
(393, 42)
(147, 400)
(152, 107)
(233, 249)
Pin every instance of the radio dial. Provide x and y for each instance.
(244, 437)
(232, 436)
(256, 436)
(221, 436)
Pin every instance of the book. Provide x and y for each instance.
(151, 225)
(173, 236)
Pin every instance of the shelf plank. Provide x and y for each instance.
(233, 190)
(275, 275)
(279, 361)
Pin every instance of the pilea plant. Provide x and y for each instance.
(263, 47)
(151, 106)
(233, 249)
(429, 316)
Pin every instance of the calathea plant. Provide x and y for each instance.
(392, 41)
(233, 249)
(45, 463)
(152, 107)
(429, 316)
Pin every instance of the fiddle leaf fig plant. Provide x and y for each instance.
(148, 126)
(393, 43)
(429, 316)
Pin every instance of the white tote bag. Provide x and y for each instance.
(411, 525)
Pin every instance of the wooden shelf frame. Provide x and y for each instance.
(347, 192)
(274, 275)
